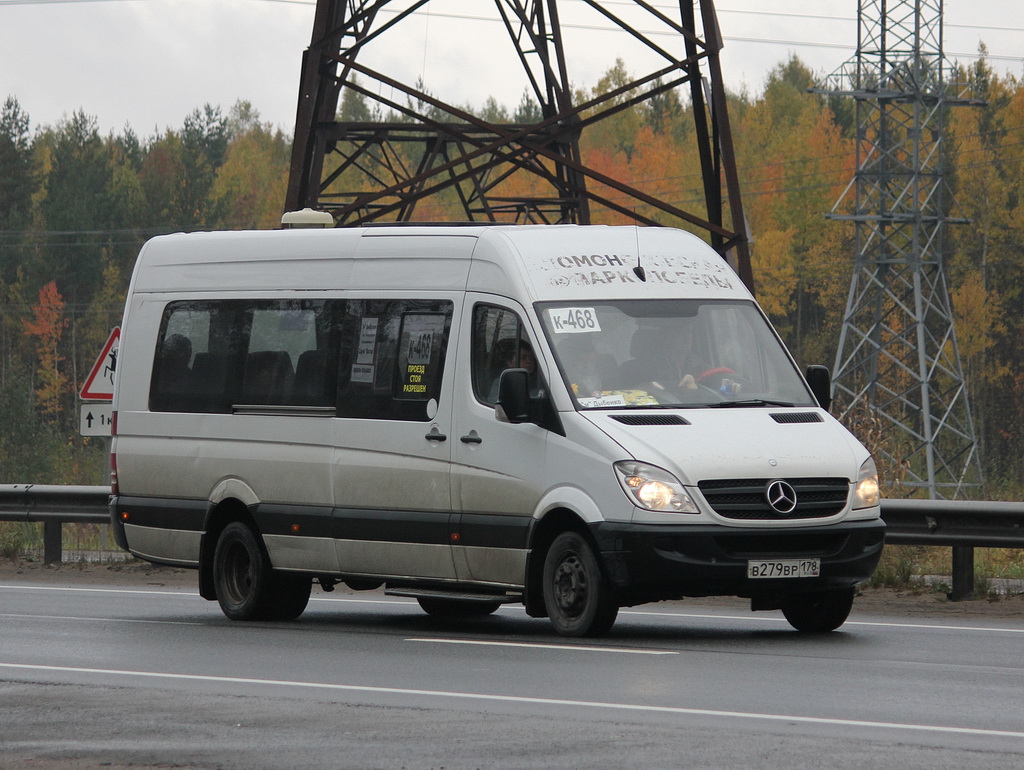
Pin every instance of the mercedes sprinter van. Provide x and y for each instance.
(575, 418)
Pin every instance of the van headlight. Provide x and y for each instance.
(866, 494)
(653, 489)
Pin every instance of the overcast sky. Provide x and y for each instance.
(149, 63)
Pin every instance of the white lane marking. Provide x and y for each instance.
(933, 626)
(537, 646)
(756, 617)
(102, 620)
(636, 707)
(752, 618)
(183, 592)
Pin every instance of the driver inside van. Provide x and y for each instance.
(665, 358)
(589, 373)
(683, 365)
(512, 353)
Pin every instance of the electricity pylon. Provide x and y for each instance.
(374, 171)
(898, 359)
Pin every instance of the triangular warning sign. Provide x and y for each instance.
(99, 385)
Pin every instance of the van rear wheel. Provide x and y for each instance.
(819, 612)
(247, 587)
(577, 596)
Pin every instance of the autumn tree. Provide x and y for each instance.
(250, 185)
(616, 132)
(794, 163)
(101, 315)
(986, 260)
(47, 326)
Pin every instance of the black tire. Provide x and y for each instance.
(289, 596)
(576, 594)
(246, 585)
(456, 608)
(818, 613)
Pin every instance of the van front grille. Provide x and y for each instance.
(816, 498)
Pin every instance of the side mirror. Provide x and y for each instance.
(820, 380)
(513, 396)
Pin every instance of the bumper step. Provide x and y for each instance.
(462, 596)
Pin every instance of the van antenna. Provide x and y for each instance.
(639, 269)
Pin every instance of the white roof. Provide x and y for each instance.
(579, 262)
(532, 262)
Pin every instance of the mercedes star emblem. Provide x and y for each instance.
(781, 496)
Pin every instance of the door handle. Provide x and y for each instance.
(472, 438)
(435, 435)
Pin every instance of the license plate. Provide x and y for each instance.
(783, 568)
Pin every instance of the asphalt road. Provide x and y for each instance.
(145, 676)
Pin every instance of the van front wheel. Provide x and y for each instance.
(247, 587)
(576, 595)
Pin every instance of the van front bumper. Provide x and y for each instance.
(651, 562)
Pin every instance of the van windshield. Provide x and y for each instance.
(670, 353)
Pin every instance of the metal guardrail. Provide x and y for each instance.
(956, 523)
(962, 525)
(54, 502)
(54, 505)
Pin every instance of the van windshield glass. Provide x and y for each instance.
(670, 353)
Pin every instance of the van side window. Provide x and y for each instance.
(195, 368)
(499, 343)
(215, 355)
(393, 354)
(289, 355)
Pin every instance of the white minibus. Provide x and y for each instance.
(574, 418)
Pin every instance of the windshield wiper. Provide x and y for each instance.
(641, 406)
(750, 402)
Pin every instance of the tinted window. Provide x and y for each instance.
(216, 356)
(393, 353)
(367, 358)
(499, 343)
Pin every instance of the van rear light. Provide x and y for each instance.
(114, 490)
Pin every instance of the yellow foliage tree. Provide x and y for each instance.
(250, 186)
(979, 321)
(775, 272)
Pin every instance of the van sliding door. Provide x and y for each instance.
(392, 443)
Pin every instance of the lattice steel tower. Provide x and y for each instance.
(898, 360)
(373, 170)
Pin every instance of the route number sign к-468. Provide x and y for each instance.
(574, 320)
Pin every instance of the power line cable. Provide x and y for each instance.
(605, 28)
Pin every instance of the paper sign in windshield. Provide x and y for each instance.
(602, 402)
(574, 320)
